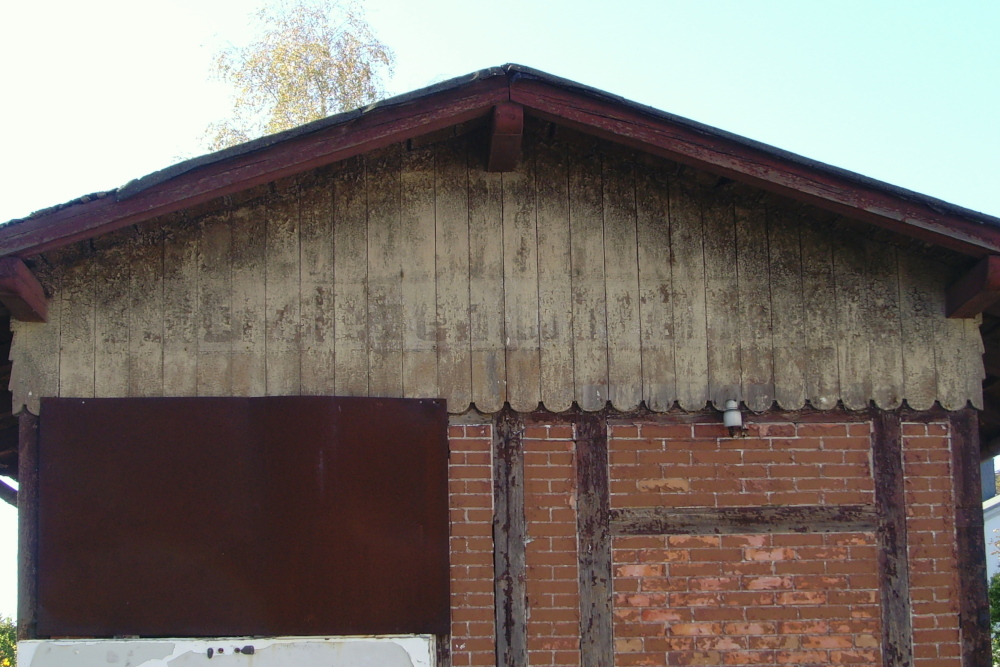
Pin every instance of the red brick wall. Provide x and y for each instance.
(697, 465)
(781, 598)
(551, 555)
(470, 472)
(930, 527)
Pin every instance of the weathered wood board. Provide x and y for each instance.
(586, 275)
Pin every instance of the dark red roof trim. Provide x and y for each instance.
(592, 111)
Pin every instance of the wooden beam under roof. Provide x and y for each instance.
(976, 291)
(21, 292)
(505, 137)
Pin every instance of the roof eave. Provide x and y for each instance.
(466, 98)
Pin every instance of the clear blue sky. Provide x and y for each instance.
(100, 92)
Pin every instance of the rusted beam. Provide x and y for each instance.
(594, 540)
(742, 520)
(893, 563)
(27, 526)
(974, 612)
(509, 564)
(21, 292)
(8, 493)
(505, 137)
(976, 291)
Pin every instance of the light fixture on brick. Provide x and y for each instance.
(732, 417)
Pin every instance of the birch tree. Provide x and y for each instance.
(313, 58)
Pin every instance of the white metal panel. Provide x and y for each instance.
(408, 651)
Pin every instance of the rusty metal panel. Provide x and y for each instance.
(242, 516)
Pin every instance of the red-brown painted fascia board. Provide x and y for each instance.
(542, 96)
(623, 125)
(370, 131)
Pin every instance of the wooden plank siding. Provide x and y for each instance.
(589, 274)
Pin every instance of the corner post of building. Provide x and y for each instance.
(27, 525)
(974, 614)
(509, 564)
(893, 562)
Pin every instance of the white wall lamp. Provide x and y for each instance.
(732, 417)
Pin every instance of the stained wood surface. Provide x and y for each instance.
(586, 275)
(687, 259)
(594, 541)
(509, 533)
(555, 285)
(787, 322)
(621, 269)
(893, 556)
(590, 323)
(742, 520)
(350, 293)
(974, 611)
(27, 526)
(520, 283)
(656, 304)
(722, 300)
(316, 252)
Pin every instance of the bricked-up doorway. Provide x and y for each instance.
(242, 516)
(812, 537)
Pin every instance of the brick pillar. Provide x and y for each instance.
(470, 483)
(551, 552)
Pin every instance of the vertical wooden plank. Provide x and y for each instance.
(756, 345)
(486, 296)
(418, 287)
(111, 353)
(590, 319)
(146, 311)
(975, 371)
(350, 246)
(883, 316)
(385, 250)
(27, 525)
(34, 351)
(76, 343)
(974, 612)
(316, 298)
(656, 315)
(621, 270)
(180, 308)
(594, 541)
(787, 311)
(282, 316)
(520, 276)
(555, 287)
(452, 261)
(893, 562)
(822, 371)
(949, 344)
(215, 293)
(722, 299)
(688, 296)
(918, 322)
(508, 538)
(853, 328)
(249, 299)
